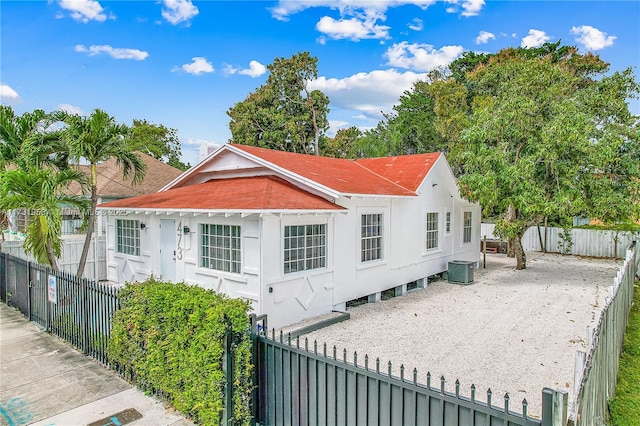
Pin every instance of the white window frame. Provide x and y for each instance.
(467, 227)
(431, 232)
(371, 237)
(128, 237)
(220, 247)
(304, 247)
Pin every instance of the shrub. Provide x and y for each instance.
(170, 339)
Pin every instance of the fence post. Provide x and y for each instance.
(29, 286)
(254, 359)
(554, 407)
(85, 314)
(227, 362)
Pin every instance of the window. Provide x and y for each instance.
(466, 230)
(432, 231)
(304, 247)
(128, 237)
(371, 237)
(447, 226)
(220, 247)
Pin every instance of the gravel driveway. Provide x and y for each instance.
(511, 331)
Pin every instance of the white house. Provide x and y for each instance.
(298, 235)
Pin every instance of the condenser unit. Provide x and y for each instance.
(460, 271)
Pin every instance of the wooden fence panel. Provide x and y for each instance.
(586, 242)
(96, 266)
(597, 370)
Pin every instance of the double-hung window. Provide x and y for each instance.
(305, 247)
(371, 237)
(432, 231)
(466, 229)
(128, 236)
(220, 247)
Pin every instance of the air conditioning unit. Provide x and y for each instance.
(460, 271)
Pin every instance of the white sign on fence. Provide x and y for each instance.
(52, 289)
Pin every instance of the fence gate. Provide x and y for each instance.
(298, 385)
(16, 274)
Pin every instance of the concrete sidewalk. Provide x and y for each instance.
(44, 381)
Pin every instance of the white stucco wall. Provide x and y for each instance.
(288, 298)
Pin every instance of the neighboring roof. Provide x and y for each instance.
(111, 182)
(349, 176)
(246, 193)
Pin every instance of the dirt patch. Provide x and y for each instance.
(511, 331)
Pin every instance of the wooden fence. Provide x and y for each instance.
(96, 266)
(596, 370)
(586, 242)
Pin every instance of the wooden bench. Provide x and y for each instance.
(493, 250)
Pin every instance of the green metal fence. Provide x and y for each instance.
(302, 385)
(77, 310)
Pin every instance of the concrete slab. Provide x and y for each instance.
(153, 412)
(43, 380)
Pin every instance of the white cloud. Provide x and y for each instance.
(355, 29)
(198, 66)
(284, 8)
(71, 109)
(256, 69)
(84, 10)
(360, 117)
(421, 57)
(7, 92)
(177, 11)
(484, 37)
(535, 38)
(370, 93)
(114, 52)
(416, 25)
(472, 7)
(229, 70)
(592, 38)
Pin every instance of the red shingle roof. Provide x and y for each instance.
(349, 176)
(407, 171)
(247, 193)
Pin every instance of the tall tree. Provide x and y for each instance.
(540, 133)
(283, 113)
(95, 139)
(158, 141)
(41, 191)
(342, 145)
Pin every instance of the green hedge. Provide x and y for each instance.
(170, 339)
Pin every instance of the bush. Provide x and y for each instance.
(170, 339)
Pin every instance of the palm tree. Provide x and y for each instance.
(95, 139)
(40, 190)
(30, 139)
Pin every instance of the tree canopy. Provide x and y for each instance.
(283, 113)
(158, 141)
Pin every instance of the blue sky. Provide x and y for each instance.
(184, 63)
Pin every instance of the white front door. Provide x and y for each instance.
(168, 249)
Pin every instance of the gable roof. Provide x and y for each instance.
(244, 193)
(111, 182)
(395, 176)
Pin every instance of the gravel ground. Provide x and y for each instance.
(511, 331)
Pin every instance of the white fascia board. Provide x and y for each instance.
(375, 196)
(288, 173)
(211, 213)
(193, 169)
